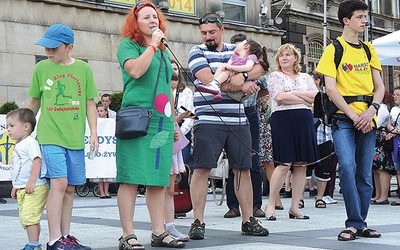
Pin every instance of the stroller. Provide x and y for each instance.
(84, 189)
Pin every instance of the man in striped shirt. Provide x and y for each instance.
(221, 125)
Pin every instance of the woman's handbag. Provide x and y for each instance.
(388, 145)
(221, 172)
(133, 122)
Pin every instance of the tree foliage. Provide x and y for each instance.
(7, 107)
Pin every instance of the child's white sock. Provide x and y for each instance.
(214, 84)
(170, 224)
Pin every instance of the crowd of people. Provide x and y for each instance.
(258, 116)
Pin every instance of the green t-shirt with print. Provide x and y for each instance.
(63, 92)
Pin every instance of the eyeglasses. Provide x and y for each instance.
(396, 94)
(210, 19)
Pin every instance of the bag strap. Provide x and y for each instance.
(395, 124)
(339, 52)
(397, 119)
(224, 182)
(158, 78)
(176, 100)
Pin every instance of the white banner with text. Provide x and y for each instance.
(102, 166)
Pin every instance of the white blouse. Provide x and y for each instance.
(394, 112)
(278, 82)
(186, 100)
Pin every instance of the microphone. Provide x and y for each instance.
(162, 39)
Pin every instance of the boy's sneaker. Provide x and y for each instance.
(197, 230)
(32, 247)
(254, 228)
(76, 243)
(62, 244)
(329, 200)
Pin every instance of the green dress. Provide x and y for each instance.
(147, 160)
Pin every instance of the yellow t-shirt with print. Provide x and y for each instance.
(353, 76)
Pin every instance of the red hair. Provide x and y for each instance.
(130, 29)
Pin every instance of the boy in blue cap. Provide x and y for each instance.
(63, 89)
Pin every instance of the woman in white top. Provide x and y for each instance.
(292, 127)
(184, 98)
(382, 163)
(394, 127)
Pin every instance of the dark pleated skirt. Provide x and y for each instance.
(293, 136)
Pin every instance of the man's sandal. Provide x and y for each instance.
(157, 241)
(319, 203)
(368, 233)
(125, 245)
(349, 232)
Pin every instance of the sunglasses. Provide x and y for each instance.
(142, 4)
(210, 19)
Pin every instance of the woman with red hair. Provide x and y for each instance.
(145, 160)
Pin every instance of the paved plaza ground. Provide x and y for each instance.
(96, 223)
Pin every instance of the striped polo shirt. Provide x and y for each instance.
(231, 111)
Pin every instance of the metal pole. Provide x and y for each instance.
(325, 24)
(370, 20)
(366, 27)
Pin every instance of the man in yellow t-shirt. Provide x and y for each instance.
(352, 125)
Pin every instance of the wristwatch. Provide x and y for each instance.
(376, 106)
(245, 75)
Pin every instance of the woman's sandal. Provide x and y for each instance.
(349, 232)
(125, 245)
(395, 203)
(319, 203)
(368, 233)
(157, 241)
(301, 205)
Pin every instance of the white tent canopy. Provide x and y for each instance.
(388, 48)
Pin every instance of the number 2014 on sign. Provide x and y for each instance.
(183, 6)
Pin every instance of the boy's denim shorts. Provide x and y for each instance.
(30, 206)
(65, 163)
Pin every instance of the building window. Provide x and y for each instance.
(315, 50)
(376, 8)
(395, 8)
(235, 10)
(388, 7)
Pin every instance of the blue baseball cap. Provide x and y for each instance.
(56, 35)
